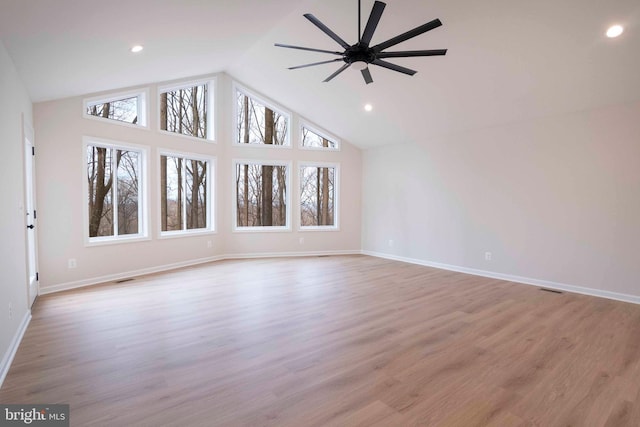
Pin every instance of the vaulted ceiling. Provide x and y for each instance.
(508, 60)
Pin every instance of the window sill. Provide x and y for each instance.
(103, 241)
(185, 233)
(262, 229)
(319, 228)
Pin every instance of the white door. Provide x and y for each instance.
(30, 211)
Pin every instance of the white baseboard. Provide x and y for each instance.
(511, 278)
(477, 272)
(7, 359)
(290, 254)
(119, 276)
(158, 269)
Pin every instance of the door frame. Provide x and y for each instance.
(30, 211)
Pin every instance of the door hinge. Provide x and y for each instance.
(37, 276)
(33, 151)
(34, 214)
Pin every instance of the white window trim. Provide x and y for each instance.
(143, 210)
(336, 197)
(211, 195)
(212, 127)
(143, 110)
(236, 87)
(234, 195)
(315, 129)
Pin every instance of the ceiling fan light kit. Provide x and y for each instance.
(361, 54)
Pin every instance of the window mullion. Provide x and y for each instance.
(141, 196)
(114, 189)
(184, 194)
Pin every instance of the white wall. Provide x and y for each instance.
(60, 128)
(14, 104)
(557, 199)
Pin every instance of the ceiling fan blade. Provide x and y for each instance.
(366, 74)
(409, 53)
(372, 23)
(394, 67)
(341, 69)
(315, 63)
(307, 48)
(408, 35)
(326, 30)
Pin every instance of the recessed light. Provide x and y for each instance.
(137, 48)
(368, 107)
(614, 31)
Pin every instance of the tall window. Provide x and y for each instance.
(115, 191)
(318, 207)
(258, 123)
(128, 108)
(185, 193)
(315, 140)
(261, 195)
(187, 110)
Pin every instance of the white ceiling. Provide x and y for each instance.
(508, 60)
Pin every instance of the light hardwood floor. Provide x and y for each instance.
(337, 341)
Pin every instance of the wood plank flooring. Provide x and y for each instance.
(329, 341)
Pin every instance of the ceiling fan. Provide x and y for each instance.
(361, 53)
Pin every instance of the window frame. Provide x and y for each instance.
(143, 191)
(212, 127)
(336, 196)
(211, 195)
(318, 131)
(142, 105)
(234, 195)
(235, 88)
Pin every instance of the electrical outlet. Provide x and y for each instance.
(301, 240)
(391, 243)
(209, 244)
(72, 263)
(487, 256)
(10, 310)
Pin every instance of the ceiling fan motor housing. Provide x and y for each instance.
(359, 53)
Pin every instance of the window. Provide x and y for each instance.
(261, 195)
(258, 123)
(188, 109)
(313, 139)
(115, 191)
(127, 108)
(318, 196)
(185, 194)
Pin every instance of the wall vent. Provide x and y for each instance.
(551, 290)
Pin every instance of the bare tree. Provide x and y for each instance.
(246, 167)
(164, 203)
(184, 111)
(196, 172)
(317, 195)
(239, 204)
(127, 194)
(324, 217)
(109, 204)
(179, 201)
(260, 189)
(123, 110)
(99, 187)
(267, 173)
(281, 192)
(163, 111)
